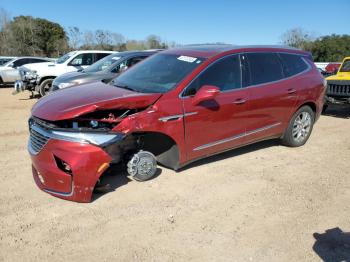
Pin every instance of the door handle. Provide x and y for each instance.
(291, 91)
(239, 101)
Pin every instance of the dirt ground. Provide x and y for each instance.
(264, 202)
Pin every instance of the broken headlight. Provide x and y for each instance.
(30, 74)
(99, 139)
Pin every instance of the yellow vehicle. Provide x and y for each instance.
(338, 86)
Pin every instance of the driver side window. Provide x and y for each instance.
(224, 74)
(82, 60)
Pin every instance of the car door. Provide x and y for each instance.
(11, 74)
(218, 124)
(270, 96)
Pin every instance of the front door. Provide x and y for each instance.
(218, 124)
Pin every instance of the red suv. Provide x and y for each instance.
(173, 108)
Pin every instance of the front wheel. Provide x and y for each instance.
(45, 87)
(142, 166)
(299, 128)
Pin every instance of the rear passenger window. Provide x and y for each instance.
(101, 55)
(264, 68)
(292, 64)
(224, 74)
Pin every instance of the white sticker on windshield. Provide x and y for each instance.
(188, 59)
(116, 58)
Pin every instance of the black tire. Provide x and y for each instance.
(324, 108)
(299, 129)
(45, 87)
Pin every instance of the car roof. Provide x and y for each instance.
(21, 57)
(136, 52)
(95, 51)
(207, 51)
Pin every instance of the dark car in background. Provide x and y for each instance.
(104, 70)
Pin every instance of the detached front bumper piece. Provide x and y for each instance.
(66, 169)
(19, 86)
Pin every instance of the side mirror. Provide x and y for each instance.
(12, 65)
(205, 93)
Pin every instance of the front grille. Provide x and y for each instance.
(339, 90)
(37, 140)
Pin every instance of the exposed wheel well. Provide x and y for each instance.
(312, 105)
(162, 146)
(45, 78)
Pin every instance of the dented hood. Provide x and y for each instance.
(72, 102)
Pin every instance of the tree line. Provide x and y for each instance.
(330, 48)
(29, 36)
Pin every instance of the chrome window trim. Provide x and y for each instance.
(225, 140)
(309, 67)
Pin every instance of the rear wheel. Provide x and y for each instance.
(299, 128)
(45, 87)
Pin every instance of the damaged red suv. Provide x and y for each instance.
(173, 108)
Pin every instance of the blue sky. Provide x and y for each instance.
(194, 21)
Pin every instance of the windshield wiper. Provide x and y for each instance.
(125, 87)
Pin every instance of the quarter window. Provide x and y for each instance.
(264, 68)
(292, 64)
(224, 74)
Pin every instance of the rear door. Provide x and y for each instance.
(218, 124)
(271, 95)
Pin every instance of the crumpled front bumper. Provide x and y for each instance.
(87, 163)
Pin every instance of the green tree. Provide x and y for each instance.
(26, 35)
(297, 37)
(331, 48)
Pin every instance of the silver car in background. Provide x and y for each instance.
(9, 72)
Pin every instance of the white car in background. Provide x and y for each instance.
(39, 77)
(9, 72)
(5, 59)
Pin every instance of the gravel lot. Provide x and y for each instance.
(264, 202)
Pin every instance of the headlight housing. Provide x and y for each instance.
(30, 74)
(86, 137)
(65, 85)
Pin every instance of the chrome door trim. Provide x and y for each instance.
(176, 117)
(219, 142)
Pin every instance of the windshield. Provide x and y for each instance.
(158, 74)
(3, 61)
(103, 64)
(346, 66)
(65, 57)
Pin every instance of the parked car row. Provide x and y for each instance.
(104, 70)
(173, 108)
(39, 77)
